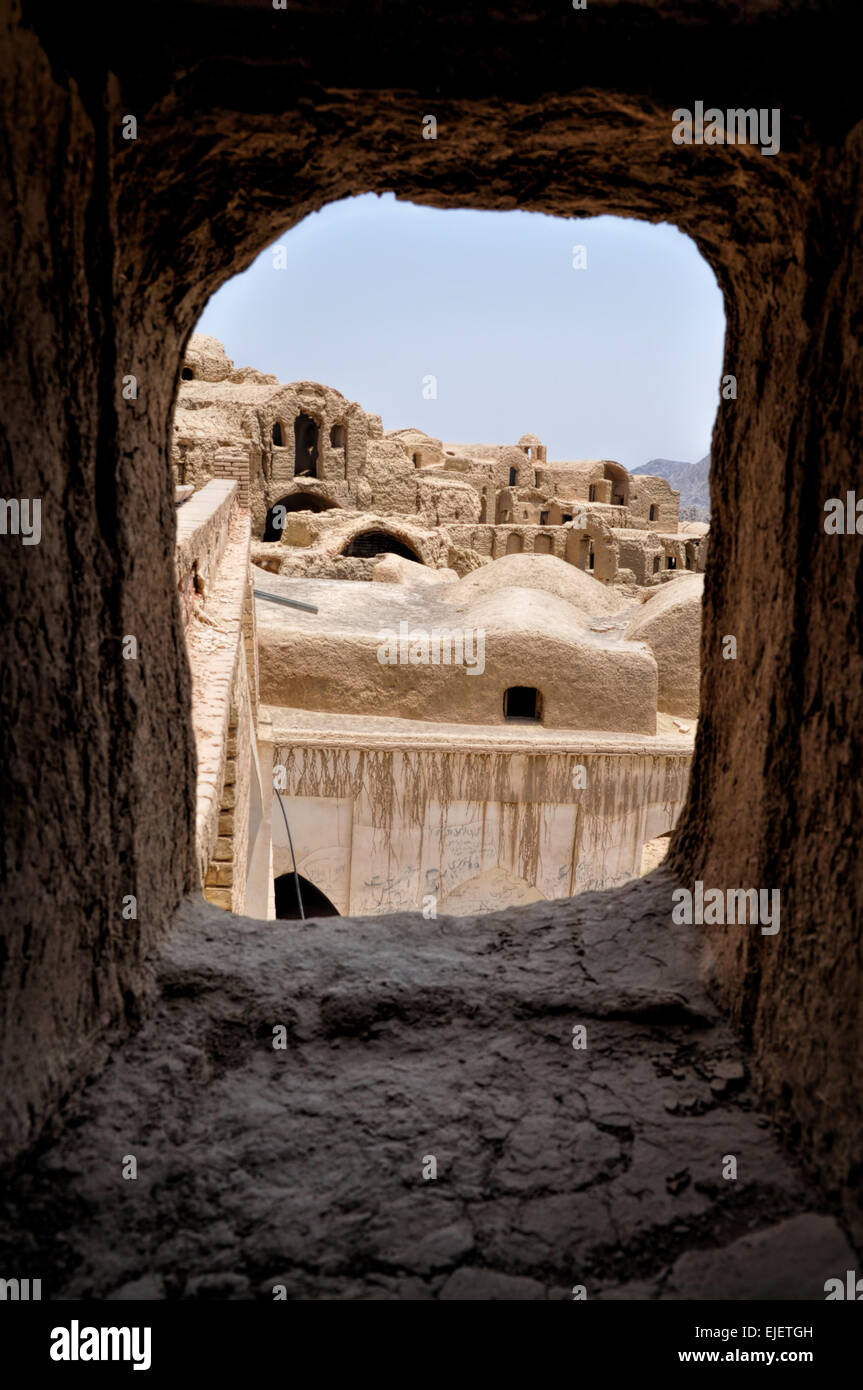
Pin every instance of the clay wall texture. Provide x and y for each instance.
(376, 829)
(370, 662)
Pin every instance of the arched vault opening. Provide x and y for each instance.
(315, 903)
(370, 543)
(294, 502)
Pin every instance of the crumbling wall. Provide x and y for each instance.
(642, 552)
(653, 494)
(441, 500)
(392, 478)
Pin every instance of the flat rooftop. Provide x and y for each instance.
(313, 728)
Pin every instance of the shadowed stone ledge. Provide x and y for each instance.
(406, 1039)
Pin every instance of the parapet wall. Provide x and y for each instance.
(378, 829)
(202, 532)
(216, 595)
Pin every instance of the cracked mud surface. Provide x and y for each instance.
(405, 1039)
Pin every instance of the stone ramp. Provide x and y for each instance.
(408, 1040)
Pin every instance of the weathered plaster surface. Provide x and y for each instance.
(379, 828)
(406, 1039)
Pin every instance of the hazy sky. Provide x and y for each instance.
(620, 360)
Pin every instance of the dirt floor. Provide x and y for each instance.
(605, 1166)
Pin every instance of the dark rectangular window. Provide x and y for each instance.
(522, 702)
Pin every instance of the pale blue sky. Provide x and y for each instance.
(621, 360)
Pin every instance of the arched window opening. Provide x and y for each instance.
(522, 702)
(278, 436)
(187, 374)
(338, 435)
(591, 557)
(654, 512)
(315, 903)
(306, 432)
(671, 562)
(513, 474)
(514, 545)
(617, 476)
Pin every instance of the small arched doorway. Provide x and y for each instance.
(306, 436)
(315, 903)
(514, 545)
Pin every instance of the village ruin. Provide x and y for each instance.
(493, 699)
